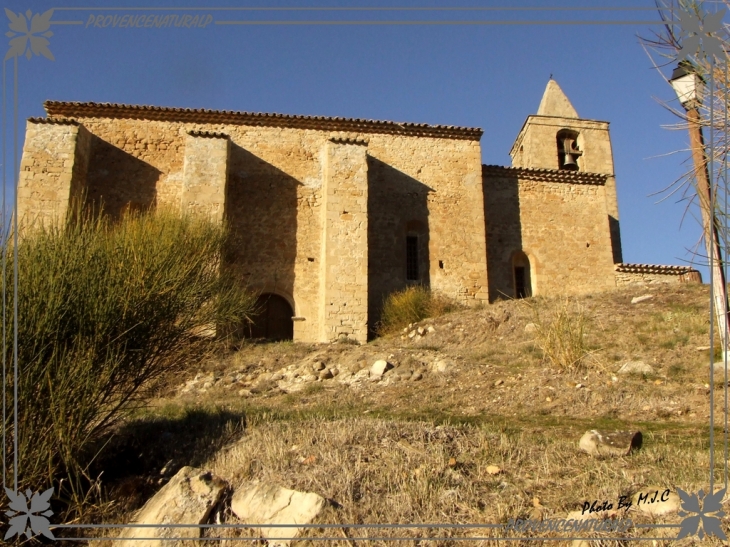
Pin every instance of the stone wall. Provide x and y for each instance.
(205, 174)
(53, 170)
(651, 274)
(536, 147)
(558, 219)
(344, 262)
(418, 177)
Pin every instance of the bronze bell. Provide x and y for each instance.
(570, 154)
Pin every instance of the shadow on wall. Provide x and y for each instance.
(261, 213)
(613, 225)
(119, 182)
(504, 236)
(398, 235)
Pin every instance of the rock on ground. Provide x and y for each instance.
(636, 367)
(268, 503)
(188, 498)
(618, 443)
(379, 368)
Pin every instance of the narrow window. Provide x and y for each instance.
(412, 258)
(520, 282)
(522, 275)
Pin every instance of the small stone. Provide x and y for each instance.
(326, 374)
(638, 299)
(416, 376)
(431, 329)
(440, 366)
(636, 367)
(411, 334)
(244, 393)
(493, 470)
(578, 386)
(498, 383)
(530, 327)
(421, 331)
(318, 365)
(548, 399)
(618, 443)
(379, 367)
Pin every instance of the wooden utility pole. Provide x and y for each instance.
(712, 242)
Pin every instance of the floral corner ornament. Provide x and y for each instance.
(36, 35)
(709, 514)
(20, 514)
(698, 32)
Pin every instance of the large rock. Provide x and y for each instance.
(617, 443)
(267, 503)
(636, 367)
(188, 498)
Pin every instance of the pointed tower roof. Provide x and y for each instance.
(555, 103)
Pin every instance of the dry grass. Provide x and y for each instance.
(394, 472)
(560, 326)
(412, 305)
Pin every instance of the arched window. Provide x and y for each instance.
(522, 277)
(568, 151)
(274, 318)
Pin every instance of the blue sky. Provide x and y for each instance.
(485, 75)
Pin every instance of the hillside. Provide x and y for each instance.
(474, 390)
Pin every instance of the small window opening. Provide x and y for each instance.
(412, 258)
(520, 287)
(441, 264)
(521, 273)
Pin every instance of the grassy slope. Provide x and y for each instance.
(417, 451)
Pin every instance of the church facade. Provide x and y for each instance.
(328, 216)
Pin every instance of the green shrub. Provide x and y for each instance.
(559, 332)
(411, 305)
(103, 311)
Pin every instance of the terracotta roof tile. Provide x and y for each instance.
(545, 175)
(56, 121)
(653, 269)
(201, 115)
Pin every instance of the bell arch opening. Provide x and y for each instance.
(568, 150)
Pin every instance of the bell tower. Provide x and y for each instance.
(557, 138)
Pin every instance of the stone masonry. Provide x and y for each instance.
(327, 216)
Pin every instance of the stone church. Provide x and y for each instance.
(328, 216)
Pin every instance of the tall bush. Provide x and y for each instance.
(103, 310)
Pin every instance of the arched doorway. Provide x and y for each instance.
(274, 319)
(521, 275)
